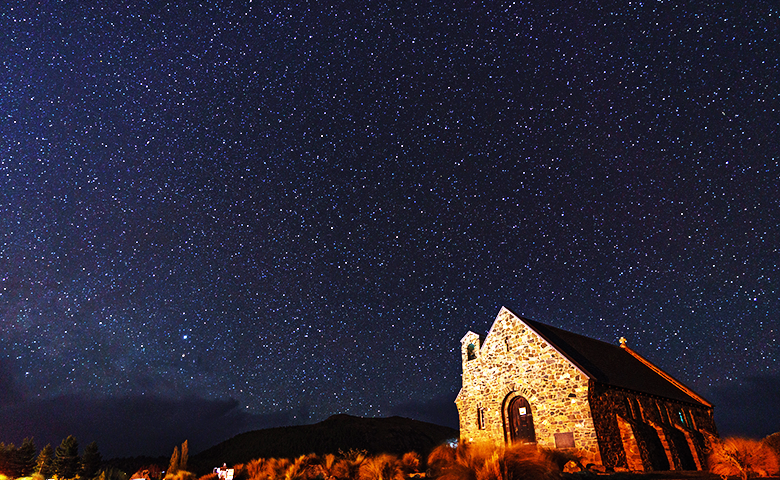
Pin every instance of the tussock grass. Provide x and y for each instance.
(466, 462)
(381, 467)
(490, 462)
(180, 475)
(410, 463)
(742, 457)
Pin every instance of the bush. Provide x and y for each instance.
(560, 458)
(180, 475)
(381, 467)
(773, 442)
(490, 462)
(348, 468)
(305, 467)
(439, 458)
(410, 463)
(116, 474)
(742, 457)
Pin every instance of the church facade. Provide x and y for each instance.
(529, 382)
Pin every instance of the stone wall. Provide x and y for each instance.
(617, 428)
(666, 432)
(513, 360)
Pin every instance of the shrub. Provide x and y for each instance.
(742, 457)
(275, 468)
(490, 462)
(253, 470)
(439, 458)
(560, 458)
(239, 472)
(180, 475)
(116, 474)
(327, 467)
(381, 467)
(297, 469)
(773, 442)
(410, 463)
(348, 468)
(529, 463)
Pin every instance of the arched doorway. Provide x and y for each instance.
(520, 423)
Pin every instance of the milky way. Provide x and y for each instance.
(282, 212)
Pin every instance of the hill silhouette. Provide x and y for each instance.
(395, 435)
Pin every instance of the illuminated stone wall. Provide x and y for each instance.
(657, 434)
(512, 361)
(613, 427)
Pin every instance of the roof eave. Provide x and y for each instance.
(668, 377)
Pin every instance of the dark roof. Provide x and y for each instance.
(613, 365)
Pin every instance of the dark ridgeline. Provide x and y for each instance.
(394, 435)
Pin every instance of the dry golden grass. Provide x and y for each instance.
(410, 462)
(773, 442)
(381, 467)
(489, 462)
(439, 458)
(180, 475)
(742, 457)
(348, 468)
(466, 462)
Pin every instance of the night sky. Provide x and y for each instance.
(219, 217)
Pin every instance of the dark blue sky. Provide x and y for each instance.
(216, 218)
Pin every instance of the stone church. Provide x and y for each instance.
(532, 383)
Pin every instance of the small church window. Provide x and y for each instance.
(636, 407)
(689, 416)
(480, 418)
(508, 344)
(685, 418)
(471, 351)
(629, 408)
(663, 413)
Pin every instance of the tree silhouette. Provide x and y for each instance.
(184, 456)
(7, 453)
(90, 461)
(66, 458)
(44, 465)
(23, 459)
(173, 466)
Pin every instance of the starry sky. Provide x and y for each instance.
(222, 216)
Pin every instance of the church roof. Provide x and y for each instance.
(618, 366)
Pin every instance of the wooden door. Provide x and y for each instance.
(521, 422)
